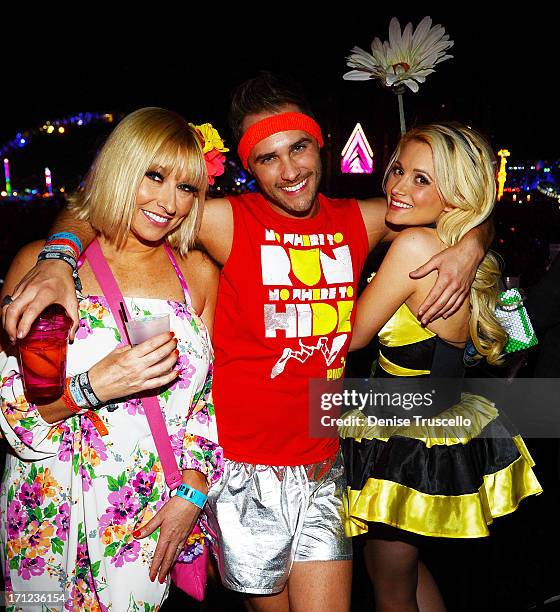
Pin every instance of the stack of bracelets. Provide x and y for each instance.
(80, 398)
(78, 395)
(67, 247)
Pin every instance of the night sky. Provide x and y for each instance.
(501, 79)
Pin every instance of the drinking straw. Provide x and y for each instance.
(123, 312)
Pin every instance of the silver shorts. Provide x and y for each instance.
(267, 517)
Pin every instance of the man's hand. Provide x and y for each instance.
(49, 282)
(456, 268)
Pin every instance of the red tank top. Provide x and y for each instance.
(286, 304)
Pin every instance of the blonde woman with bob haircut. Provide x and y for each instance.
(109, 181)
(407, 483)
(87, 510)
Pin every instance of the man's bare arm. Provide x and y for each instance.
(49, 282)
(456, 265)
(215, 235)
(67, 222)
(373, 213)
(456, 268)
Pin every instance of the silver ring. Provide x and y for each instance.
(7, 300)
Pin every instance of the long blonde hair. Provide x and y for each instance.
(148, 139)
(465, 178)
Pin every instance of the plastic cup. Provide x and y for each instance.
(140, 330)
(42, 356)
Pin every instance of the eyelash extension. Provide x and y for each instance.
(190, 188)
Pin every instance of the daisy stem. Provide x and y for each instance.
(401, 113)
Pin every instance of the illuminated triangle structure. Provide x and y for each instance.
(357, 156)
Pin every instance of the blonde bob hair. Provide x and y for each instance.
(149, 139)
(464, 166)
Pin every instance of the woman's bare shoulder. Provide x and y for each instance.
(197, 263)
(202, 276)
(417, 243)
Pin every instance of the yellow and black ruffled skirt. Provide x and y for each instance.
(445, 481)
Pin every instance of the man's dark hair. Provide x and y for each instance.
(265, 92)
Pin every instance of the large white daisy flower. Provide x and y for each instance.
(407, 58)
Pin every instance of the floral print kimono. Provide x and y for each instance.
(71, 498)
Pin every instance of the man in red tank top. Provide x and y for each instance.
(291, 261)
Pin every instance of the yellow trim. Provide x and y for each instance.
(397, 370)
(403, 328)
(520, 443)
(477, 409)
(458, 516)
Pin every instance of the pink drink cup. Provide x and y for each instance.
(42, 356)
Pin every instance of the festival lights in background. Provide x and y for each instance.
(357, 155)
(7, 178)
(237, 181)
(56, 126)
(502, 173)
(357, 158)
(48, 181)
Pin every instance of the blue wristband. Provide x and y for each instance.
(67, 236)
(192, 495)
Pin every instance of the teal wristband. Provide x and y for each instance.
(192, 495)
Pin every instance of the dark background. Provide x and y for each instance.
(501, 80)
(502, 77)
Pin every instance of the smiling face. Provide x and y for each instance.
(287, 167)
(162, 204)
(412, 194)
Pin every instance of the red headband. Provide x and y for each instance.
(274, 124)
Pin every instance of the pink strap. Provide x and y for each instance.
(180, 276)
(108, 284)
(113, 295)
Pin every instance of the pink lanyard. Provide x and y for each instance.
(152, 409)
